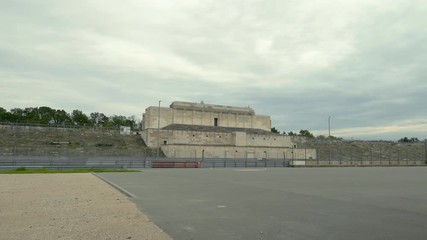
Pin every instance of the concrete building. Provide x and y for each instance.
(198, 130)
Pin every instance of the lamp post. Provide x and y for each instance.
(158, 130)
(329, 126)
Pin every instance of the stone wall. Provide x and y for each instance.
(151, 138)
(189, 151)
(170, 116)
(227, 132)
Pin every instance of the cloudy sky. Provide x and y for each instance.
(362, 62)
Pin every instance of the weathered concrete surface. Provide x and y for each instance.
(69, 206)
(307, 203)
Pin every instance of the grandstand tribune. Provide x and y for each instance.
(18, 140)
(90, 143)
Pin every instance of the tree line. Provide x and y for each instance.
(305, 133)
(308, 134)
(49, 116)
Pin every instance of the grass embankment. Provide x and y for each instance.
(23, 170)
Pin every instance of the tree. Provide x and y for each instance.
(274, 130)
(292, 133)
(6, 116)
(99, 119)
(79, 118)
(62, 117)
(306, 133)
(409, 140)
(46, 115)
(321, 137)
(3, 115)
(119, 121)
(18, 114)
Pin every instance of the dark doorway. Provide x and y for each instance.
(215, 122)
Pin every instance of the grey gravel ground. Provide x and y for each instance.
(69, 206)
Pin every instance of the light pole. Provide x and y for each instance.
(329, 126)
(158, 130)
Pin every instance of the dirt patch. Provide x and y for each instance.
(69, 206)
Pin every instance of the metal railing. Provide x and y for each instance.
(7, 162)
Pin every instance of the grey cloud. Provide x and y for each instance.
(360, 62)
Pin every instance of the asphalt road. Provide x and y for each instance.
(283, 203)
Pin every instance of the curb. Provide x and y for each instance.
(120, 189)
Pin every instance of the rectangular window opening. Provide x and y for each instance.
(215, 122)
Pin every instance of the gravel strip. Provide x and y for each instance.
(69, 206)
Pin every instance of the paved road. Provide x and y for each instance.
(285, 203)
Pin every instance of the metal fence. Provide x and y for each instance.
(10, 162)
(72, 162)
(224, 163)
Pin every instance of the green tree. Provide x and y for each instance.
(274, 130)
(409, 140)
(18, 114)
(292, 133)
(61, 117)
(321, 137)
(306, 133)
(46, 115)
(99, 119)
(79, 118)
(6, 116)
(116, 120)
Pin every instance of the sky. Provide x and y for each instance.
(361, 63)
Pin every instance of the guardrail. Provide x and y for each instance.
(244, 163)
(133, 162)
(8, 162)
(73, 162)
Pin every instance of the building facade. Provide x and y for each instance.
(198, 130)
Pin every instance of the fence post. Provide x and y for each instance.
(398, 157)
(425, 150)
(305, 153)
